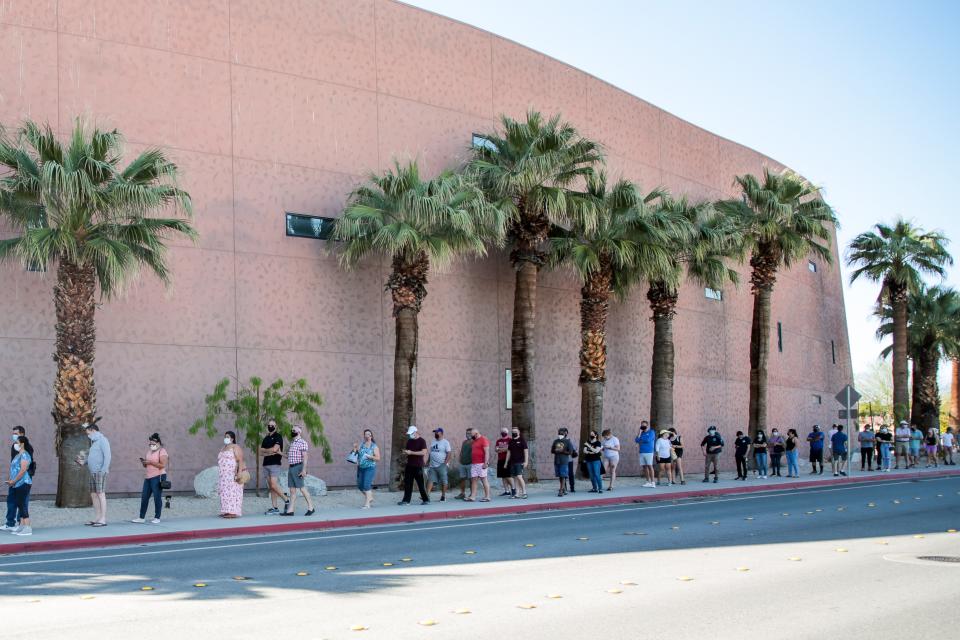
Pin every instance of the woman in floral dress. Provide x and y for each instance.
(230, 463)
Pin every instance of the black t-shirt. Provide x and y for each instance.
(884, 436)
(743, 444)
(516, 447)
(677, 444)
(593, 457)
(272, 440)
(791, 443)
(931, 440)
(415, 444)
(714, 443)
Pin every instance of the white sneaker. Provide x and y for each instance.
(23, 531)
(155, 521)
(4, 527)
(138, 521)
(15, 529)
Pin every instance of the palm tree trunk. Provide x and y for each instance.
(594, 310)
(916, 391)
(764, 262)
(954, 419)
(75, 394)
(663, 303)
(901, 391)
(523, 356)
(928, 396)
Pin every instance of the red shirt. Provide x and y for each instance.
(478, 455)
(503, 443)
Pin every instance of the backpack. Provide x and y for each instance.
(32, 469)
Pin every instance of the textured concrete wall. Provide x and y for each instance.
(284, 106)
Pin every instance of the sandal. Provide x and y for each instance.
(469, 500)
(99, 524)
(484, 499)
(89, 524)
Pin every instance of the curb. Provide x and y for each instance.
(208, 534)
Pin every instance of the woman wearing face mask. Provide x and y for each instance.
(885, 442)
(793, 469)
(230, 463)
(611, 456)
(368, 454)
(154, 466)
(777, 448)
(20, 484)
(760, 453)
(591, 456)
(678, 452)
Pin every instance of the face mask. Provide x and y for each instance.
(16, 447)
(516, 434)
(711, 432)
(227, 441)
(154, 447)
(92, 437)
(473, 437)
(271, 429)
(296, 434)
(503, 434)
(14, 437)
(776, 433)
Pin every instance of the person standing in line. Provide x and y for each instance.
(271, 450)
(793, 454)
(901, 438)
(417, 453)
(97, 460)
(776, 451)
(741, 448)
(839, 448)
(592, 450)
(440, 455)
(466, 460)
(877, 453)
(297, 457)
(760, 453)
(815, 438)
(712, 447)
(833, 430)
(947, 442)
(664, 451)
(154, 466)
(500, 446)
(13, 517)
(885, 441)
(518, 456)
(931, 443)
(368, 455)
(916, 445)
(562, 448)
(479, 464)
(611, 456)
(20, 482)
(868, 441)
(231, 473)
(646, 441)
(677, 443)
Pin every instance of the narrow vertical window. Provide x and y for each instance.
(508, 388)
(780, 337)
(833, 351)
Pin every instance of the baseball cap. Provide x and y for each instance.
(438, 430)
(411, 430)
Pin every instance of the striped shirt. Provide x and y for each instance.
(297, 448)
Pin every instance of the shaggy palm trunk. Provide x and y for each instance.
(901, 391)
(594, 310)
(954, 417)
(764, 262)
(663, 304)
(407, 285)
(928, 390)
(75, 394)
(916, 380)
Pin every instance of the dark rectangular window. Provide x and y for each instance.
(817, 399)
(833, 351)
(480, 140)
(304, 226)
(780, 337)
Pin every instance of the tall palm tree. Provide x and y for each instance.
(531, 167)
(75, 207)
(603, 253)
(897, 257)
(933, 334)
(418, 224)
(698, 240)
(782, 220)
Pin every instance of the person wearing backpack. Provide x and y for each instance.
(13, 513)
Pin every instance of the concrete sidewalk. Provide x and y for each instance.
(385, 511)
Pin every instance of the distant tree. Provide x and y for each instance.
(875, 383)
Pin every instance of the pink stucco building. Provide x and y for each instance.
(272, 107)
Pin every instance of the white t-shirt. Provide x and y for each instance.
(612, 441)
(830, 438)
(946, 439)
(663, 447)
(438, 452)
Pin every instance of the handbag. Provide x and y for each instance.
(243, 477)
(353, 457)
(164, 483)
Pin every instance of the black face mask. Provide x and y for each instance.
(516, 436)
(271, 429)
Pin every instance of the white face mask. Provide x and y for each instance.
(16, 447)
(227, 441)
(154, 447)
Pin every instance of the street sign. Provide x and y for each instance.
(847, 397)
(853, 414)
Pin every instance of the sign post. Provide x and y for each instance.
(849, 397)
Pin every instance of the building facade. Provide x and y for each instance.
(271, 108)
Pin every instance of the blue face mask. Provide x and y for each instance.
(14, 437)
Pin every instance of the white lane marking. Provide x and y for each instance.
(514, 519)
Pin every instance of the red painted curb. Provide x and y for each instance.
(206, 534)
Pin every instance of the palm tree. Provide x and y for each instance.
(603, 254)
(530, 167)
(933, 334)
(698, 239)
(74, 206)
(782, 220)
(418, 223)
(897, 256)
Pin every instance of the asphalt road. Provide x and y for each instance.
(835, 562)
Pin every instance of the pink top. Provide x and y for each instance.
(154, 456)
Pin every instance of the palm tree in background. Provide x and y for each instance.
(933, 334)
(699, 239)
(897, 257)
(418, 224)
(782, 220)
(73, 206)
(533, 168)
(622, 237)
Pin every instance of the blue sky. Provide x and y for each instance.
(860, 97)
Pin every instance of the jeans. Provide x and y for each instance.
(741, 465)
(151, 486)
(775, 462)
(885, 455)
(21, 497)
(571, 473)
(866, 457)
(761, 461)
(793, 469)
(593, 467)
(411, 475)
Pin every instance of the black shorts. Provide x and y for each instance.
(679, 452)
(502, 470)
(664, 460)
(816, 456)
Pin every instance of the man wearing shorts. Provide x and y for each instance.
(901, 441)
(916, 442)
(645, 440)
(562, 449)
(838, 447)
(479, 456)
(815, 438)
(97, 460)
(518, 456)
(947, 441)
(440, 454)
(712, 447)
(271, 448)
(503, 473)
(466, 455)
(297, 472)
